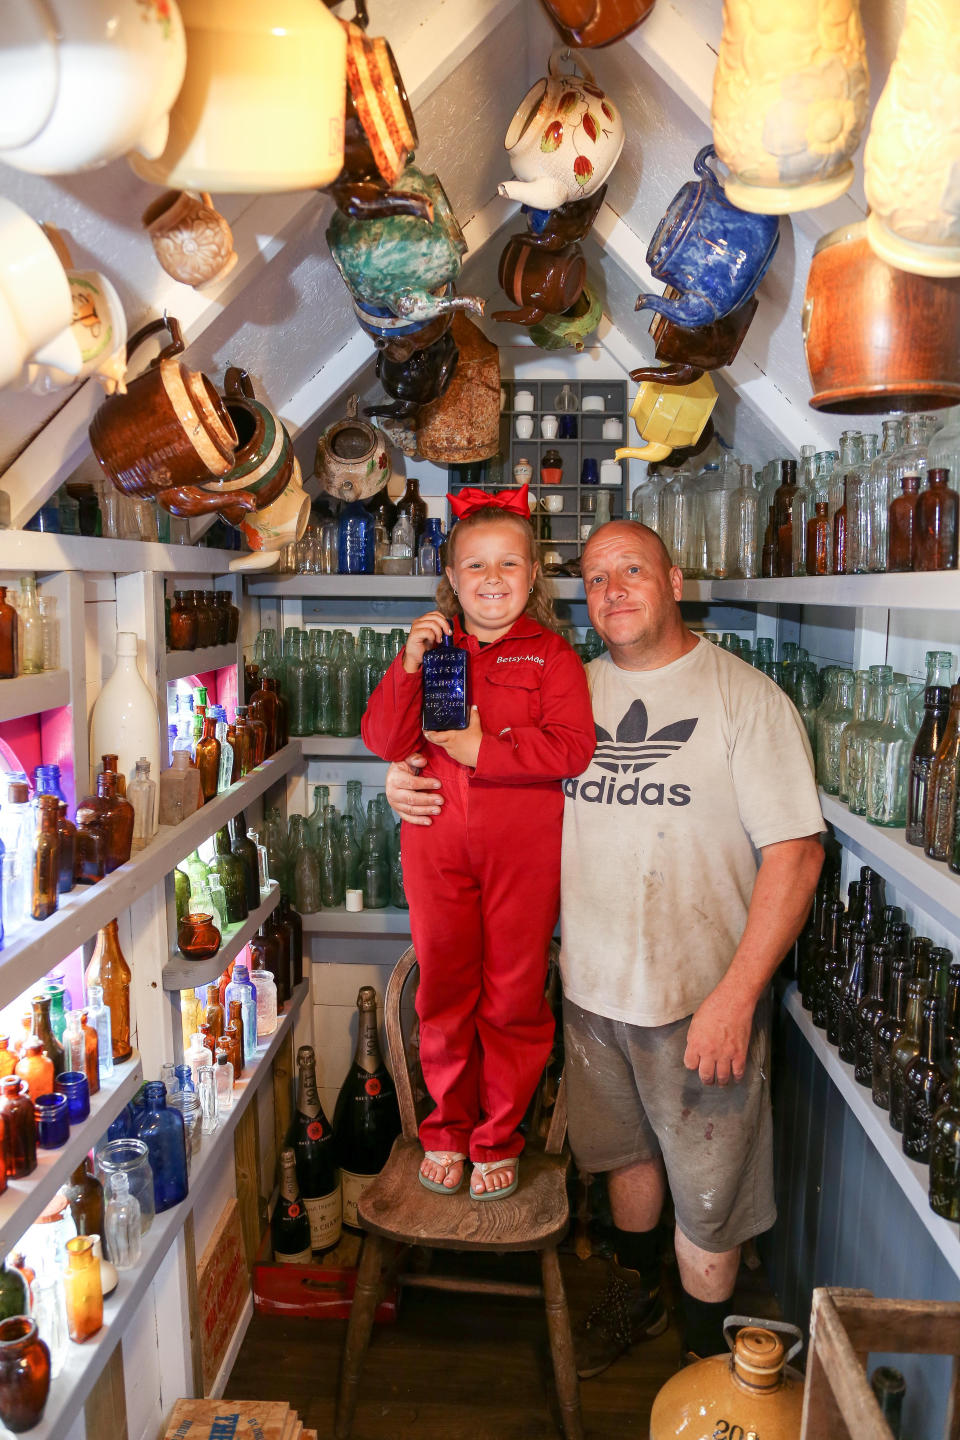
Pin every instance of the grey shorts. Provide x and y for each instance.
(630, 1098)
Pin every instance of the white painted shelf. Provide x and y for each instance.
(85, 1363)
(23, 1199)
(42, 944)
(182, 974)
(39, 550)
(910, 1175)
(929, 590)
(181, 663)
(388, 921)
(335, 747)
(927, 883)
(416, 587)
(31, 694)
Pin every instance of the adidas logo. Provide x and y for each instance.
(632, 750)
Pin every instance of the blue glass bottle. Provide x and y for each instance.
(241, 988)
(161, 1130)
(446, 687)
(355, 541)
(184, 1077)
(124, 1127)
(46, 779)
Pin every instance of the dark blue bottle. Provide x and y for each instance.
(46, 780)
(161, 1130)
(446, 687)
(355, 541)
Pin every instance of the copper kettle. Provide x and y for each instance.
(752, 1391)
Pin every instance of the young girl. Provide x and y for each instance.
(483, 880)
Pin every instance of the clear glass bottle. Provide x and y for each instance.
(207, 1091)
(881, 491)
(50, 631)
(122, 1230)
(888, 762)
(98, 1016)
(49, 1310)
(142, 794)
(347, 692)
(30, 627)
(680, 523)
(266, 1004)
(833, 717)
(223, 1073)
(718, 498)
(851, 454)
(240, 989)
(853, 775)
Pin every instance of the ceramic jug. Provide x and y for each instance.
(36, 309)
(463, 425)
(263, 463)
(552, 229)
(541, 282)
(912, 155)
(564, 139)
(261, 107)
(751, 1392)
(571, 328)
(83, 84)
(268, 530)
(168, 434)
(790, 95)
(669, 417)
(421, 377)
(688, 352)
(593, 23)
(352, 461)
(100, 330)
(192, 240)
(713, 254)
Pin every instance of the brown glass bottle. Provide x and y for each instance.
(257, 731)
(91, 1054)
(114, 815)
(68, 850)
(922, 1080)
(282, 930)
(109, 969)
(936, 704)
(900, 525)
(935, 524)
(183, 624)
(840, 529)
(296, 954)
(411, 503)
(783, 498)
(251, 680)
(46, 858)
(265, 708)
(9, 638)
(208, 758)
(869, 1014)
(85, 1197)
(214, 1018)
(90, 858)
(206, 622)
(265, 954)
(818, 540)
(942, 786)
(888, 1031)
(109, 762)
(235, 1013)
(44, 1033)
(904, 1050)
(20, 1128)
(283, 711)
(768, 554)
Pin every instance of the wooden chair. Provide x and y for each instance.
(397, 1211)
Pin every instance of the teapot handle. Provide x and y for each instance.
(676, 373)
(153, 327)
(237, 383)
(562, 52)
(702, 167)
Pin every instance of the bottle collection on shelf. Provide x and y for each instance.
(368, 537)
(325, 860)
(98, 510)
(29, 630)
(882, 503)
(196, 619)
(325, 678)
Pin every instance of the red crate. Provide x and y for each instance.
(316, 1292)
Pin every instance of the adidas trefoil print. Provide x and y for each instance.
(629, 753)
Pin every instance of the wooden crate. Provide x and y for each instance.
(223, 1285)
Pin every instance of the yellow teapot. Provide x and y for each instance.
(669, 417)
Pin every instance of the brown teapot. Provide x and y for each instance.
(590, 24)
(543, 282)
(689, 352)
(552, 229)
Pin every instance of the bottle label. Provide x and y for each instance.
(352, 1187)
(303, 1257)
(324, 1213)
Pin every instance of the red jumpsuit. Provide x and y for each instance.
(483, 880)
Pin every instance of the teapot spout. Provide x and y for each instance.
(61, 353)
(689, 311)
(426, 306)
(541, 194)
(651, 451)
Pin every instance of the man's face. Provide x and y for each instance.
(631, 590)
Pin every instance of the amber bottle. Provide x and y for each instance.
(257, 730)
(264, 706)
(68, 850)
(224, 601)
(235, 1013)
(206, 621)
(214, 1018)
(20, 1127)
(8, 1057)
(91, 1054)
(109, 762)
(35, 1069)
(183, 624)
(208, 758)
(44, 1033)
(114, 814)
(900, 525)
(85, 1197)
(83, 1289)
(840, 529)
(9, 638)
(935, 524)
(941, 801)
(280, 927)
(109, 969)
(818, 540)
(265, 953)
(46, 858)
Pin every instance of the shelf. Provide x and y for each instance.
(36, 550)
(85, 1363)
(30, 694)
(23, 1200)
(421, 587)
(929, 590)
(42, 944)
(182, 974)
(181, 663)
(388, 921)
(335, 747)
(910, 1175)
(927, 883)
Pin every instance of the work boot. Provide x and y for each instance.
(626, 1313)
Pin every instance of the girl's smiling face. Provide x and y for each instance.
(492, 573)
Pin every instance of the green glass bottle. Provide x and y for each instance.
(870, 1012)
(945, 1151)
(331, 863)
(181, 886)
(922, 1080)
(904, 1051)
(324, 693)
(398, 896)
(233, 878)
(299, 687)
(13, 1292)
(888, 761)
(321, 799)
(347, 695)
(246, 851)
(350, 853)
(889, 1029)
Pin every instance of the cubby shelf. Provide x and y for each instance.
(181, 663)
(31, 694)
(182, 974)
(930, 590)
(339, 921)
(43, 552)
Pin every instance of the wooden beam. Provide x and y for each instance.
(246, 1156)
(105, 1409)
(193, 1300)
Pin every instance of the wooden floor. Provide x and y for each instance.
(455, 1367)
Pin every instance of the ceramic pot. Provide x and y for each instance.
(751, 1392)
(552, 229)
(100, 329)
(168, 433)
(912, 155)
(284, 522)
(83, 84)
(541, 282)
(264, 460)
(359, 190)
(593, 23)
(571, 328)
(877, 338)
(352, 461)
(379, 100)
(668, 417)
(564, 139)
(463, 425)
(712, 253)
(261, 107)
(193, 242)
(687, 352)
(423, 376)
(35, 304)
(790, 95)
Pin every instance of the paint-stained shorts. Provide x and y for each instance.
(631, 1098)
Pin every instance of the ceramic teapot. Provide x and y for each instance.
(421, 377)
(552, 229)
(81, 84)
(282, 523)
(264, 462)
(35, 304)
(100, 329)
(463, 425)
(669, 417)
(564, 139)
(593, 23)
(570, 329)
(542, 282)
(713, 254)
(401, 260)
(352, 462)
(689, 352)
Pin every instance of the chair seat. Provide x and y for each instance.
(398, 1207)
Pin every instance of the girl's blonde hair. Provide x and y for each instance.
(539, 606)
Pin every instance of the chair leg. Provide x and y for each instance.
(359, 1326)
(561, 1346)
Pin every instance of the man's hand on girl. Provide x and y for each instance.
(426, 632)
(461, 745)
(413, 796)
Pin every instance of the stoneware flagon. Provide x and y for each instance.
(463, 425)
(669, 417)
(911, 162)
(713, 254)
(878, 338)
(564, 139)
(36, 309)
(81, 84)
(191, 239)
(591, 24)
(421, 377)
(552, 229)
(752, 1391)
(790, 96)
(570, 329)
(541, 282)
(352, 462)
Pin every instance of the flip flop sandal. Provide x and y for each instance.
(446, 1158)
(484, 1167)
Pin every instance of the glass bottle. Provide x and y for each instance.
(289, 1223)
(142, 794)
(9, 638)
(321, 799)
(244, 850)
(331, 864)
(19, 1127)
(904, 1049)
(349, 853)
(124, 717)
(889, 1388)
(234, 1034)
(25, 1369)
(162, 1131)
(311, 1139)
(851, 992)
(942, 786)
(240, 989)
(30, 627)
(347, 693)
(869, 1013)
(122, 1225)
(266, 1004)
(853, 771)
(888, 762)
(183, 624)
(411, 503)
(851, 454)
(817, 559)
(49, 1312)
(398, 895)
(833, 717)
(783, 501)
(299, 690)
(207, 1091)
(208, 758)
(110, 972)
(680, 527)
(936, 702)
(233, 877)
(46, 859)
(900, 524)
(91, 1053)
(265, 707)
(935, 524)
(367, 1118)
(35, 1069)
(888, 1030)
(223, 1078)
(99, 1018)
(356, 537)
(85, 1198)
(825, 961)
(43, 1030)
(82, 1289)
(923, 1077)
(8, 1057)
(857, 504)
(49, 631)
(745, 555)
(67, 833)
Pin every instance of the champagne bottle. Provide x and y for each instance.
(367, 1118)
(289, 1226)
(311, 1138)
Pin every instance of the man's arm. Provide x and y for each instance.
(415, 797)
(719, 1034)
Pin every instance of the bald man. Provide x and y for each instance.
(691, 852)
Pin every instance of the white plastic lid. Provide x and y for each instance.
(126, 642)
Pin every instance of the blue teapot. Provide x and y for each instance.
(712, 253)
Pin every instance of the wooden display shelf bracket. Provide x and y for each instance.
(182, 974)
(845, 1326)
(32, 694)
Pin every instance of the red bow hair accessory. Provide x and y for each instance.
(470, 500)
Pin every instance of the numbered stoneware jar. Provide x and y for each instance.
(352, 462)
(751, 1392)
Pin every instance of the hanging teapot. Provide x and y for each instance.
(594, 23)
(669, 417)
(552, 229)
(542, 282)
(571, 328)
(352, 462)
(690, 351)
(415, 381)
(264, 461)
(99, 328)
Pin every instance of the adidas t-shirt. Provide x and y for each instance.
(697, 766)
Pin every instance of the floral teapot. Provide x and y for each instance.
(399, 259)
(352, 462)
